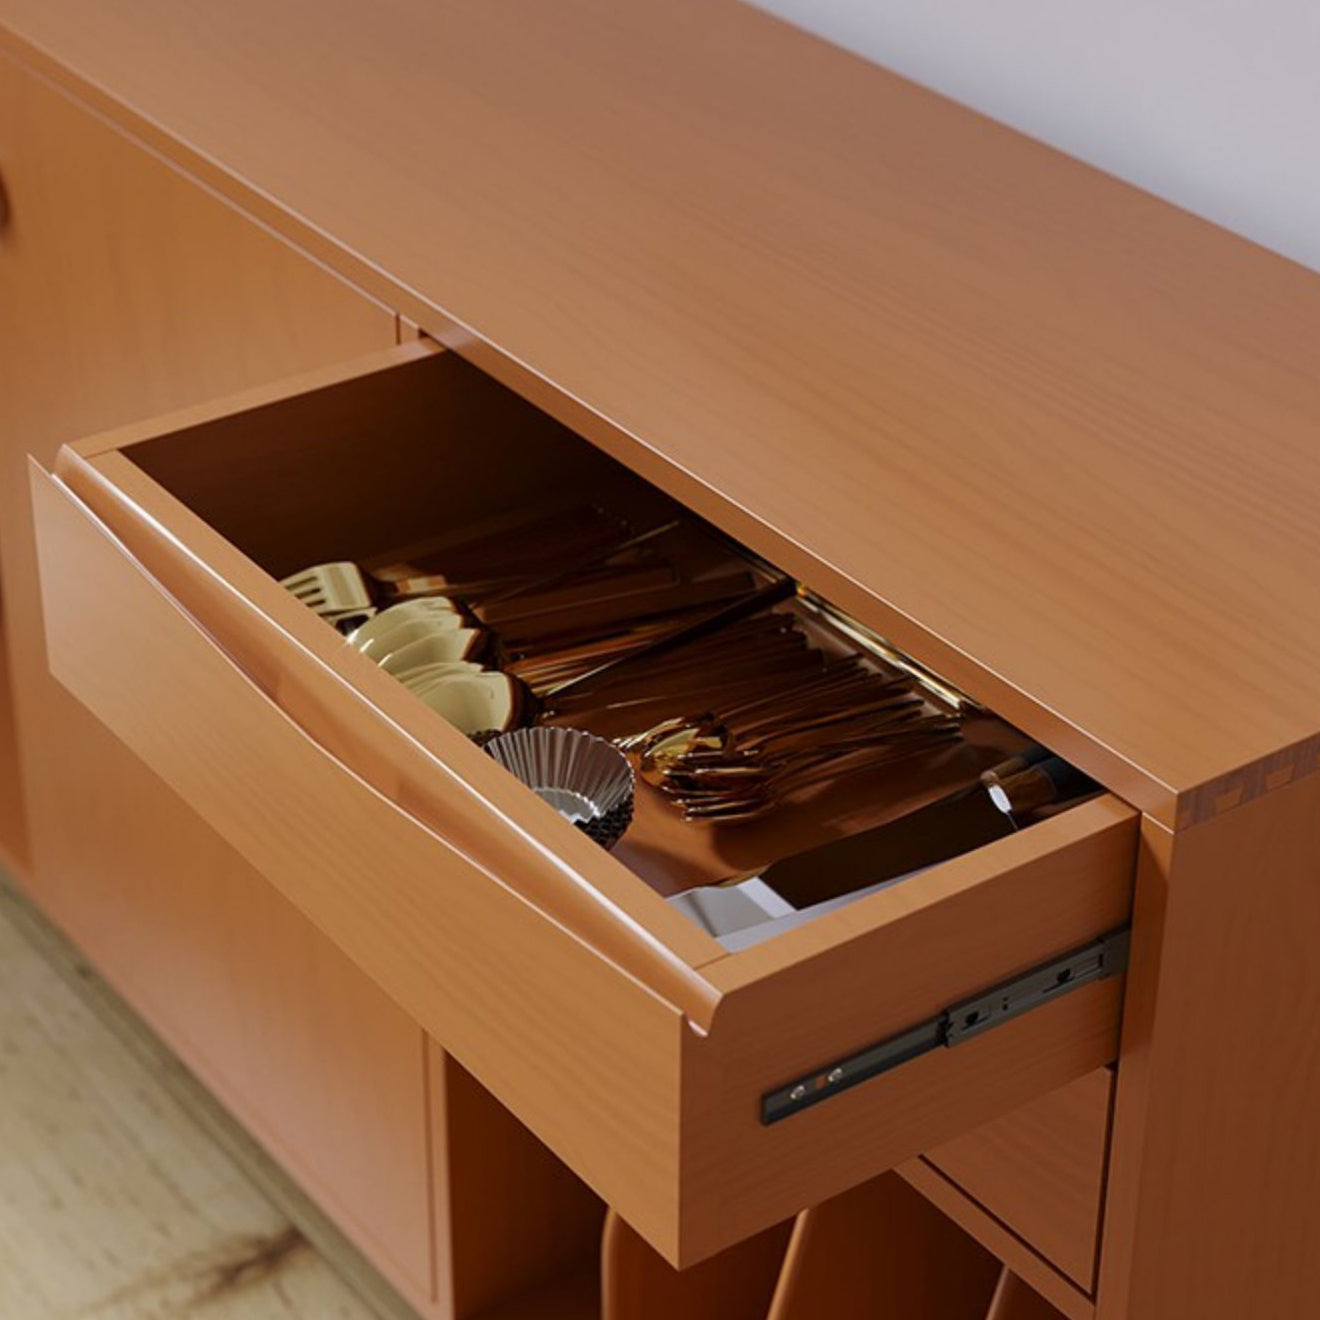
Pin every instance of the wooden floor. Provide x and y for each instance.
(116, 1202)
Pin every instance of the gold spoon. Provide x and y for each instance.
(715, 746)
(759, 799)
(828, 677)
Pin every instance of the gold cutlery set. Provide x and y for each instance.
(724, 695)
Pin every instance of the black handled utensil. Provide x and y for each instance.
(579, 565)
(762, 599)
(964, 819)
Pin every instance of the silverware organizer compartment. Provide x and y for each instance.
(403, 463)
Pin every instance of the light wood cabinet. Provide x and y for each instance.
(125, 288)
(1048, 435)
(643, 1052)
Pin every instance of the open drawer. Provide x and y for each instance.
(632, 1042)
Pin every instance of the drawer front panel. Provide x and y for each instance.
(582, 1054)
(984, 915)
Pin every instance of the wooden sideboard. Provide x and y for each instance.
(1050, 436)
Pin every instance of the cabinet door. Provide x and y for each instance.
(125, 289)
(13, 826)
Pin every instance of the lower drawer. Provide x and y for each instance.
(635, 1045)
(1040, 1171)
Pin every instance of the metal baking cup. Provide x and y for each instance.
(586, 779)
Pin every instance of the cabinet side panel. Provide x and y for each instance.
(1213, 1210)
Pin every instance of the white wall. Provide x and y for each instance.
(1212, 104)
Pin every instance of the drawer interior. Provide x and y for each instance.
(449, 473)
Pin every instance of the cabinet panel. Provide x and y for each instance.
(13, 824)
(1013, 1300)
(517, 1231)
(126, 288)
(1040, 1171)
(736, 1284)
(883, 1250)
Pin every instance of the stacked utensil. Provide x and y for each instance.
(720, 696)
(433, 648)
(742, 761)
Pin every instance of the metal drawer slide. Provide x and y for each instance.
(1101, 958)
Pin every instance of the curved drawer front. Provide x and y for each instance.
(624, 1036)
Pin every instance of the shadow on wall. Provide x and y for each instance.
(1210, 104)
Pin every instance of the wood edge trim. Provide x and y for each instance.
(436, 1152)
(995, 1311)
(611, 1231)
(794, 1254)
(202, 171)
(1235, 788)
(1112, 1071)
(733, 972)
(289, 387)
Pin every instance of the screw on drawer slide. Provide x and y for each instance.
(1102, 958)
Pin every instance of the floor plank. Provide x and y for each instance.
(115, 1204)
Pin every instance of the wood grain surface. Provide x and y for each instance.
(514, 1225)
(114, 1203)
(736, 1284)
(312, 674)
(661, 1120)
(1052, 1284)
(1013, 1300)
(1213, 1207)
(1049, 433)
(585, 1055)
(1040, 1170)
(883, 1250)
(888, 963)
(574, 1298)
(1052, 434)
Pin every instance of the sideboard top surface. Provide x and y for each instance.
(1057, 437)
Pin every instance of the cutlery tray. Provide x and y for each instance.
(534, 493)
